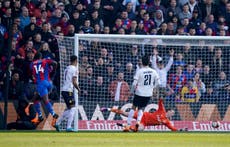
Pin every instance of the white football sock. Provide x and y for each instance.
(63, 116)
(71, 117)
(139, 115)
(130, 117)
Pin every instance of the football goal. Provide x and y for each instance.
(194, 73)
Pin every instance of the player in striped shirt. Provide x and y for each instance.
(41, 69)
(70, 82)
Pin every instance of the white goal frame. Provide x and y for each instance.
(148, 40)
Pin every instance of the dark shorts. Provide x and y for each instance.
(69, 98)
(140, 101)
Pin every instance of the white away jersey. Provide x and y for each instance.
(69, 73)
(145, 80)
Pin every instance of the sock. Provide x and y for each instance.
(37, 106)
(71, 117)
(49, 107)
(63, 116)
(130, 117)
(139, 115)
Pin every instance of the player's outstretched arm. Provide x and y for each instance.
(172, 128)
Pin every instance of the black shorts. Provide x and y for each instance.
(69, 99)
(140, 101)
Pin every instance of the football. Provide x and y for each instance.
(215, 124)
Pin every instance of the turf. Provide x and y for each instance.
(113, 139)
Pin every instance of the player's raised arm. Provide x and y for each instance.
(170, 62)
(154, 59)
(161, 105)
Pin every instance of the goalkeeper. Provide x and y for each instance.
(159, 117)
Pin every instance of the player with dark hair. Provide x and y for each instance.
(159, 117)
(146, 80)
(70, 81)
(41, 69)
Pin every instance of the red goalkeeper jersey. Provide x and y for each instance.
(156, 118)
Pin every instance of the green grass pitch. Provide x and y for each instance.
(113, 139)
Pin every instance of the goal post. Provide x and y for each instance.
(75, 124)
(195, 86)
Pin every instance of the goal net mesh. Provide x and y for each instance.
(194, 72)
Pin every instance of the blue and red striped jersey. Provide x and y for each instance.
(41, 70)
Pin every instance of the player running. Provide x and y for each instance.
(70, 82)
(41, 69)
(145, 83)
(159, 117)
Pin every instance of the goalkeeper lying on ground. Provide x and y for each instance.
(159, 117)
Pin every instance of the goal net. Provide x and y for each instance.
(194, 73)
